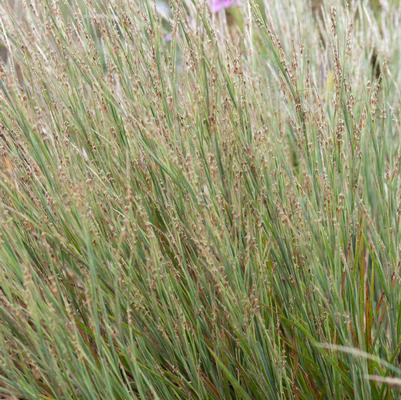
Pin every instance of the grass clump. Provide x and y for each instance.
(215, 216)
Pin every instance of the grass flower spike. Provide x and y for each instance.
(197, 206)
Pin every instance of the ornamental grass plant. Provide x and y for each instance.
(200, 203)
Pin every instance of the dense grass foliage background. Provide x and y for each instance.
(197, 205)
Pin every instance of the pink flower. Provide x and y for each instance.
(168, 37)
(218, 5)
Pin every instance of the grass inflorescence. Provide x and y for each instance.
(198, 205)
